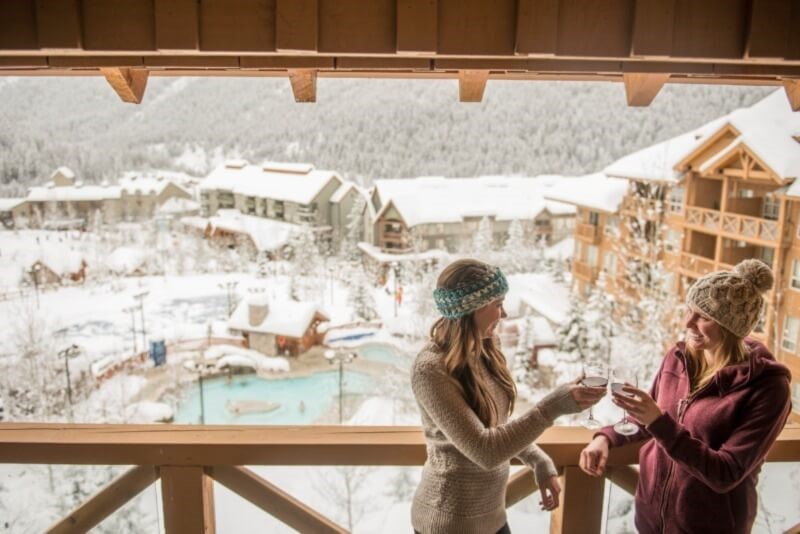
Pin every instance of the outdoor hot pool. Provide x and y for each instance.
(253, 396)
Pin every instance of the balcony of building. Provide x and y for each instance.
(644, 208)
(585, 270)
(589, 233)
(189, 460)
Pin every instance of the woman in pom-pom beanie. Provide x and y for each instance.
(465, 394)
(721, 400)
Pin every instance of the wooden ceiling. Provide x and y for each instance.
(641, 43)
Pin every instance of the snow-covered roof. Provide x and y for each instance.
(148, 412)
(267, 234)
(126, 260)
(233, 356)
(145, 183)
(540, 293)
(177, 205)
(386, 257)
(340, 193)
(428, 200)
(60, 260)
(73, 193)
(8, 204)
(284, 318)
(66, 172)
(594, 191)
(768, 128)
(299, 183)
(195, 221)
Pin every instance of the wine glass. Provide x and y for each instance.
(619, 377)
(594, 376)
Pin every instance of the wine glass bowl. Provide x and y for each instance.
(594, 376)
(620, 376)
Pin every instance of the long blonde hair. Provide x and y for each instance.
(732, 350)
(464, 346)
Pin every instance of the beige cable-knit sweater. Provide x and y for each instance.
(464, 478)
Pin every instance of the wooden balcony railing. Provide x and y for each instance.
(587, 232)
(646, 208)
(733, 225)
(188, 459)
(585, 270)
(694, 265)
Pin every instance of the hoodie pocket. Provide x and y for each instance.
(649, 473)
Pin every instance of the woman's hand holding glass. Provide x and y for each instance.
(638, 403)
(586, 396)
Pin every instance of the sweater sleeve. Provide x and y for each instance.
(543, 467)
(725, 468)
(488, 447)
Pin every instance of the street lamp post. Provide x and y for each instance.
(229, 288)
(132, 311)
(68, 352)
(394, 294)
(334, 356)
(202, 400)
(140, 298)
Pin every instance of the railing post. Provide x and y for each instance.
(581, 510)
(188, 500)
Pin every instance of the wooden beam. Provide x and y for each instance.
(58, 24)
(579, 492)
(128, 83)
(107, 500)
(792, 88)
(537, 27)
(177, 25)
(471, 84)
(187, 499)
(641, 89)
(652, 28)
(520, 485)
(624, 476)
(304, 84)
(273, 500)
(768, 31)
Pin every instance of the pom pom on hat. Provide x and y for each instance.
(757, 273)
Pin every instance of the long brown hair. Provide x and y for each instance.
(732, 350)
(464, 346)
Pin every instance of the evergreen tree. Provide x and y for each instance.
(483, 241)
(354, 231)
(600, 320)
(574, 333)
(516, 252)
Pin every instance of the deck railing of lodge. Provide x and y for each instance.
(188, 459)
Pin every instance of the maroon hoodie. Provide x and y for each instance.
(699, 471)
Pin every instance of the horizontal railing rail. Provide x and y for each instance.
(188, 458)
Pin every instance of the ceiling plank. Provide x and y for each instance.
(296, 25)
(471, 84)
(18, 25)
(128, 83)
(652, 28)
(792, 88)
(641, 89)
(768, 33)
(537, 27)
(58, 24)
(416, 26)
(591, 28)
(304, 85)
(177, 25)
(237, 25)
(711, 29)
(122, 25)
(357, 26)
(477, 27)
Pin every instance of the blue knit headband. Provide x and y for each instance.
(461, 301)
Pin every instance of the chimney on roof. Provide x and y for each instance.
(258, 309)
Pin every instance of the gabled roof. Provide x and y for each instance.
(8, 204)
(594, 191)
(431, 200)
(768, 129)
(266, 234)
(299, 183)
(284, 317)
(73, 193)
(149, 183)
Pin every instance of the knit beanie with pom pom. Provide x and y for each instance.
(733, 298)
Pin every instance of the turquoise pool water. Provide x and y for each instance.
(318, 393)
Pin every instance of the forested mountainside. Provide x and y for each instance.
(365, 129)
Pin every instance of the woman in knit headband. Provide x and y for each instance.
(716, 407)
(465, 395)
